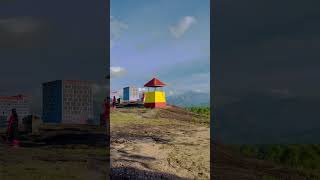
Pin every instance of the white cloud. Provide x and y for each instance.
(185, 23)
(116, 28)
(117, 71)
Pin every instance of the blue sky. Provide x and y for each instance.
(169, 39)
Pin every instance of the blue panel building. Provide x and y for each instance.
(130, 94)
(67, 101)
(52, 102)
(126, 94)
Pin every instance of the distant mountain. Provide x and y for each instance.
(263, 118)
(190, 98)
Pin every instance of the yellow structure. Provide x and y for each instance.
(156, 98)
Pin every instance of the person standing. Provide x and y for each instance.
(12, 131)
(114, 102)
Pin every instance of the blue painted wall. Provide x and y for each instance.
(52, 102)
(126, 93)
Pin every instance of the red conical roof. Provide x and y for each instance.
(154, 83)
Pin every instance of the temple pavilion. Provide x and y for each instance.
(155, 97)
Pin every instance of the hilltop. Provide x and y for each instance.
(173, 143)
(167, 143)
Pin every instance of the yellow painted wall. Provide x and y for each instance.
(155, 96)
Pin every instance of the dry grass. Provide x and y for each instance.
(52, 164)
(66, 161)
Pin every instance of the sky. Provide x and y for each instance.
(167, 39)
(266, 71)
(266, 46)
(42, 41)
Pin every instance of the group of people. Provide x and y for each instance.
(115, 102)
(107, 104)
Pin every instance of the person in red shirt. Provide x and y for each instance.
(12, 130)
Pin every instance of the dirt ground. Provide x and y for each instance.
(61, 153)
(173, 143)
(169, 143)
(159, 144)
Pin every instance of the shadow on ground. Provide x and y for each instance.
(126, 137)
(125, 173)
(78, 139)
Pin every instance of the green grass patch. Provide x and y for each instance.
(204, 111)
(124, 118)
(303, 157)
(269, 178)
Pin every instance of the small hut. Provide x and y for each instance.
(156, 97)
